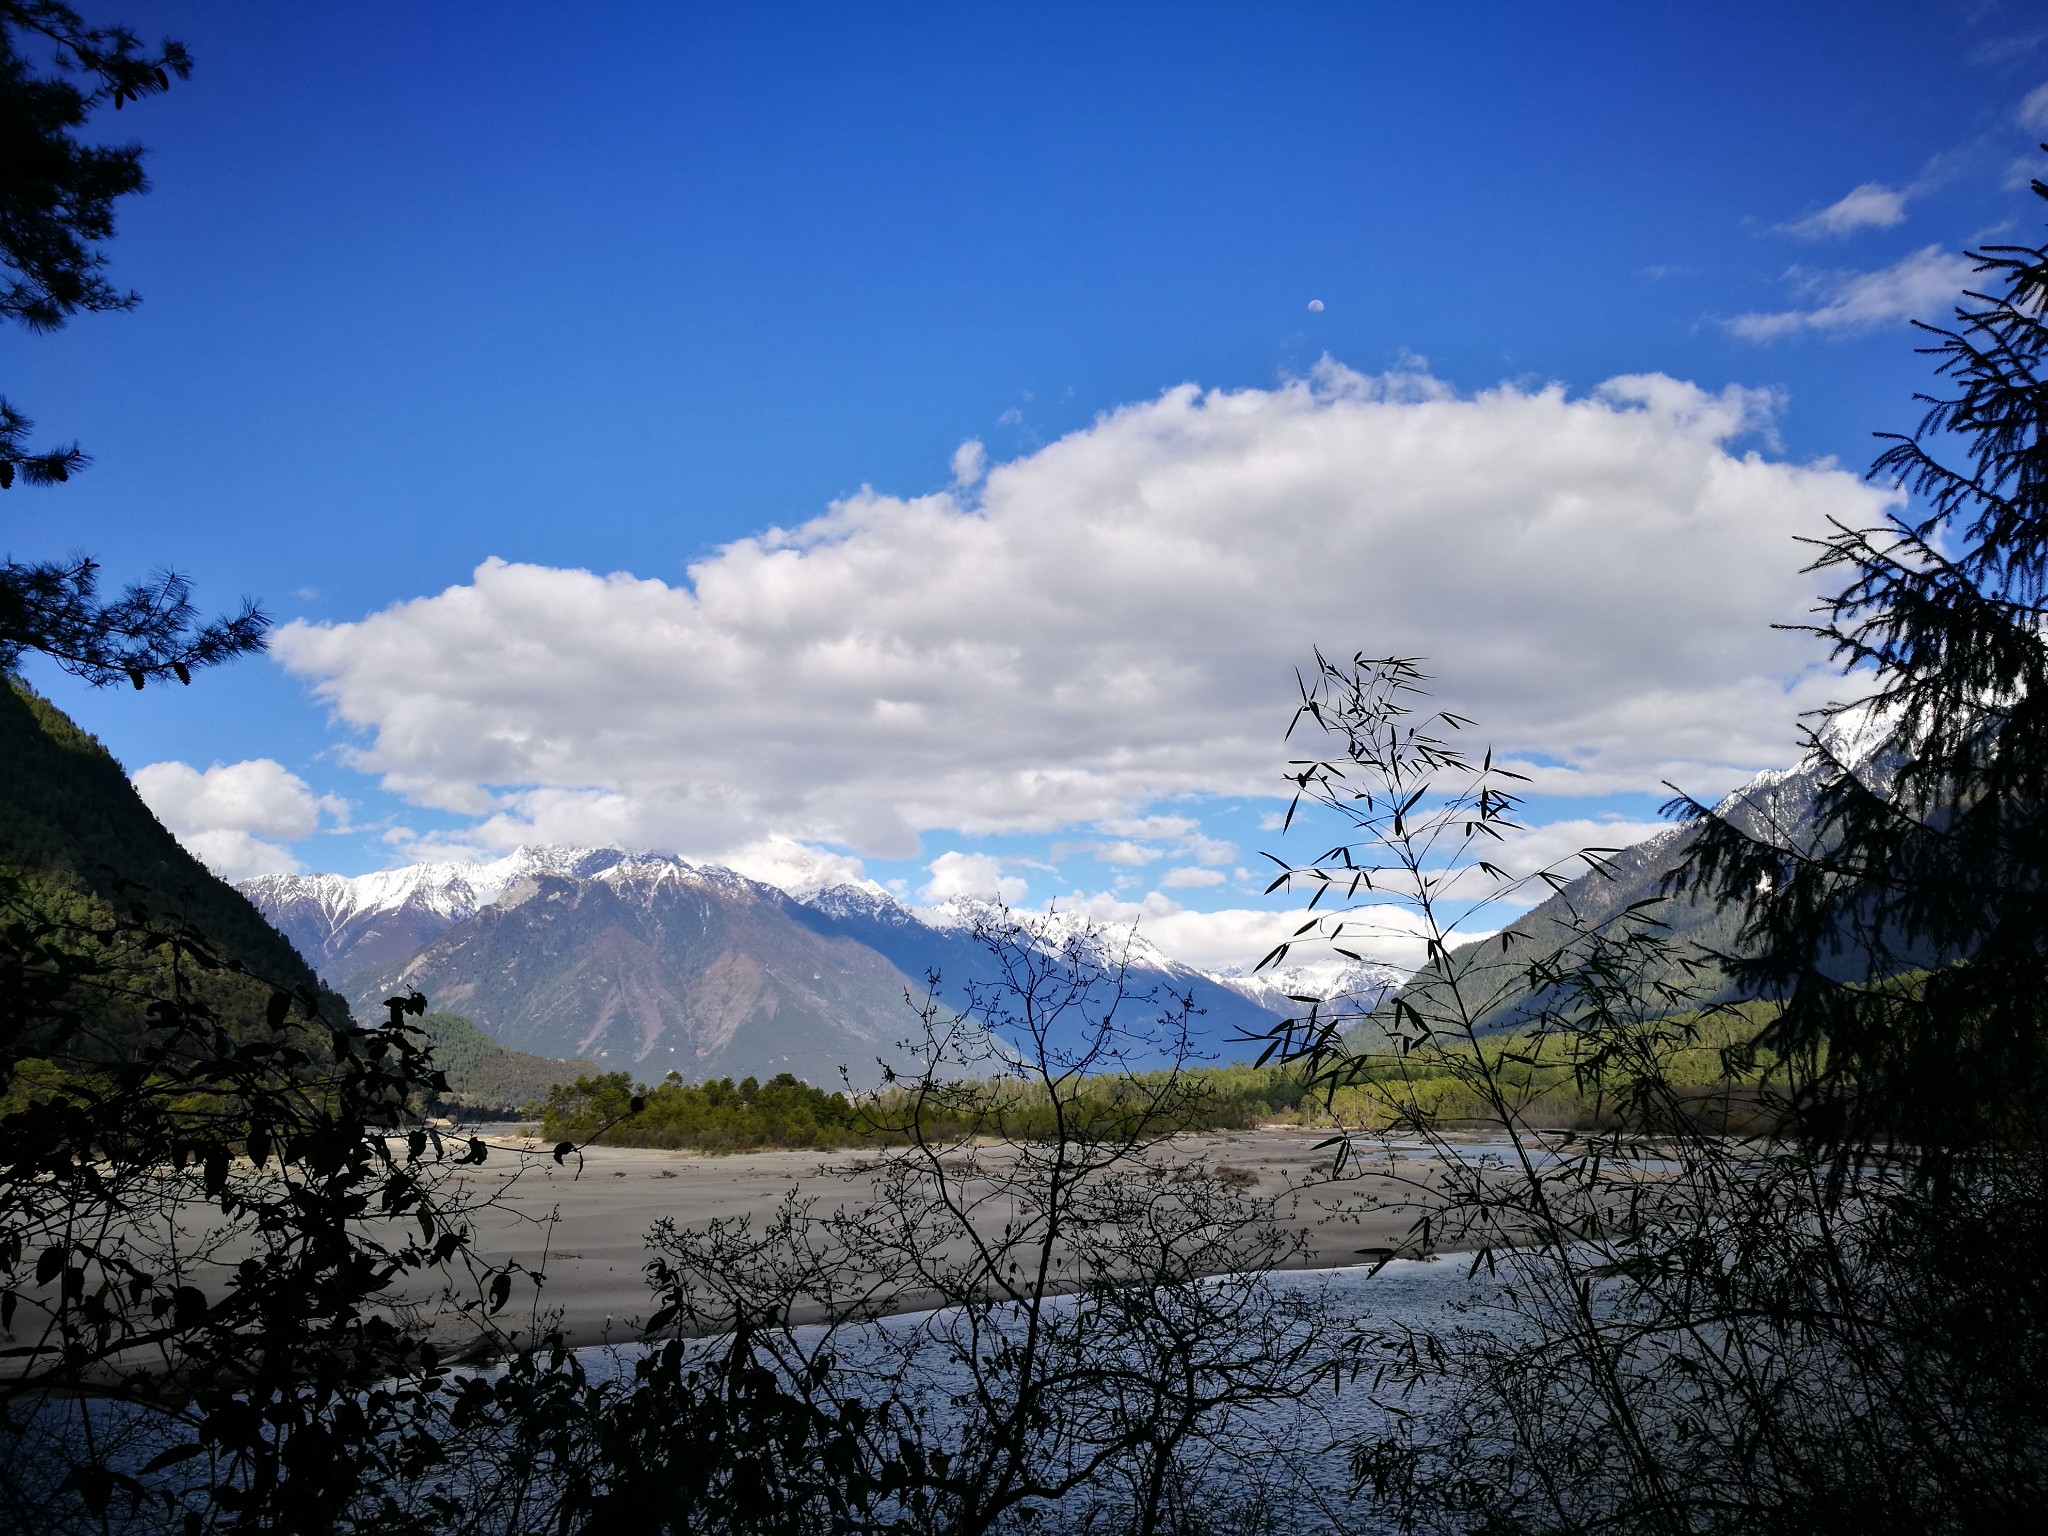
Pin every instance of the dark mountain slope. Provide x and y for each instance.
(1779, 805)
(69, 815)
(78, 838)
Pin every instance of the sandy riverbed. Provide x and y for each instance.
(593, 1249)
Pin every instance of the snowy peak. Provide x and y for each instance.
(1108, 942)
(454, 889)
(858, 901)
(1859, 740)
(1280, 988)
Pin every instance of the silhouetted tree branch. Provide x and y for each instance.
(57, 197)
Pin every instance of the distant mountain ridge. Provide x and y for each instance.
(650, 962)
(1779, 802)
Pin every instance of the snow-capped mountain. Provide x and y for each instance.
(648, 961)
(942, 942)
(1350, 985)
(645, 961)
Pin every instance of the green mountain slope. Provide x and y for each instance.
(75, 838)
(1778, 806)
(69, 814)
(483, 1074)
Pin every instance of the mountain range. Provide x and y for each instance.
(647, 963)
(650, 964)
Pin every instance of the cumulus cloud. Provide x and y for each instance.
(1915, 286)
(235, 817)
(1870, 206)
(1149, 826)
(1191, 877)
(1179, 835)
(971, 877)
(796, 867)
(970, 463)
(1558, 847)
(1115, 619)
(1125, 853)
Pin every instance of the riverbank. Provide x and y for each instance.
(592, 1249)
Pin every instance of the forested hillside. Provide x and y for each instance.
(1638, 884)
(484, 1075)
(69, 815)
(77, 845)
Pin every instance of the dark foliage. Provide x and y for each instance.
(68, 816)
(1934, 851)
(1820, 1306)
(1105, 1323)
(57, 196)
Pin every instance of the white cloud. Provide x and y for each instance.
(1125, 853)
(1116, 620)
(796, 867)
(970, 463)
(1242, 936)
(1181, 834)
(1870, 206)
(971, 877)
(1556, 846)
(1148, 826)
(234, 816)
(238, 856)
(1384, 932)
(1915, 286)
(2033, 110)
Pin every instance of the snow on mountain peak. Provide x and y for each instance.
(848, 900)
(1346, 983)
(1115, 942)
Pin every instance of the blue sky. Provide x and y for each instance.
(607, 289)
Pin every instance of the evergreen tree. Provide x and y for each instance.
(1934, 854)
(57, 198)
(1811, 1295)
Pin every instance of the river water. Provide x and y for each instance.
(1277, 1469)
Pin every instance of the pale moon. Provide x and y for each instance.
(1315, 306)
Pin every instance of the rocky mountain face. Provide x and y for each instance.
(650, 964)
(355, 928)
